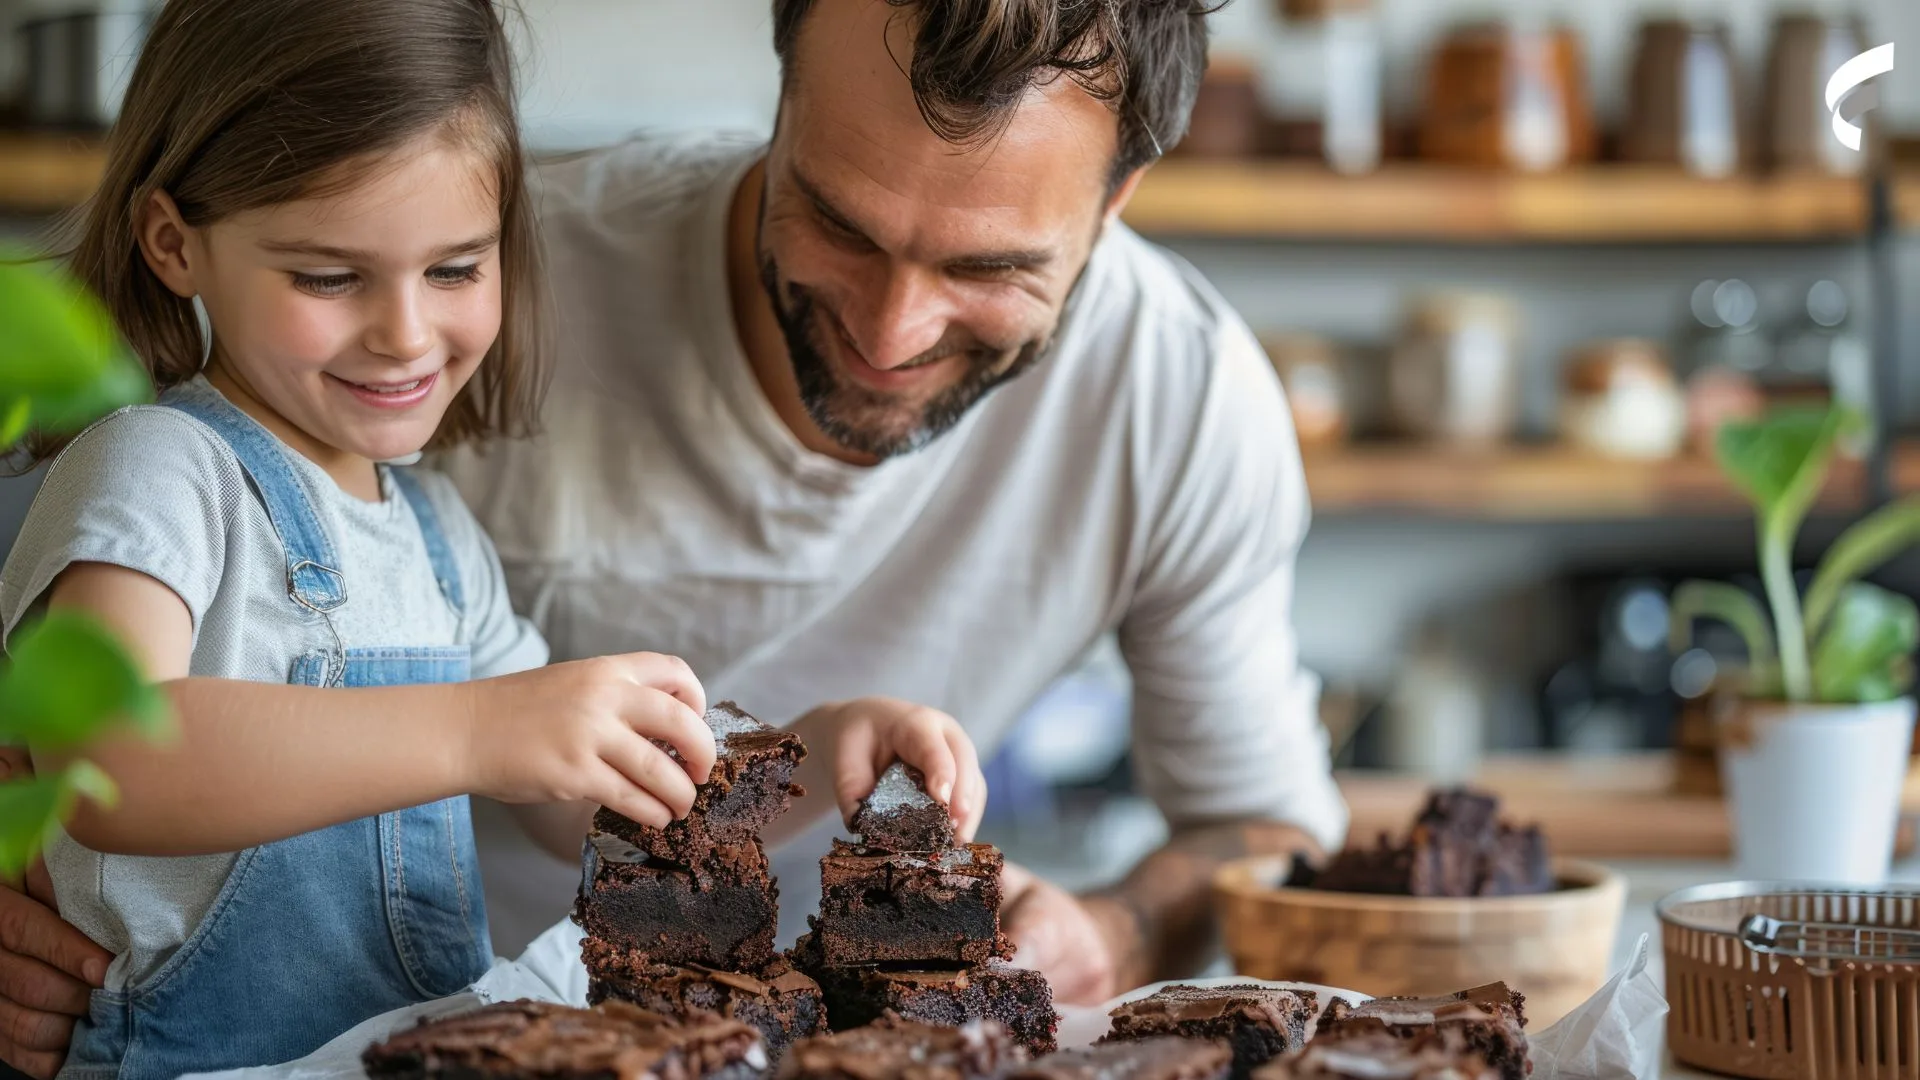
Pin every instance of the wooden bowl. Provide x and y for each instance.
(1555, 948)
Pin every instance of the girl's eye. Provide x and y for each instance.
(325, 284)
(454, 275)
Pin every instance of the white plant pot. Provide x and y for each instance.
(1814, 790)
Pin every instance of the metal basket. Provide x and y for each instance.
(1794, 982)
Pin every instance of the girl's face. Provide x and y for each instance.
(349, 323)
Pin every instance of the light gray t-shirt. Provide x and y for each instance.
(157, 491)
(1142, 479)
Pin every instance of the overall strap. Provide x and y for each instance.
(314, 580)
(445, 570)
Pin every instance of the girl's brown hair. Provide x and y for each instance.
(236, 105)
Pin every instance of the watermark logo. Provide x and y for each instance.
(1845, 78)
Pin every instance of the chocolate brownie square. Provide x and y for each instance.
(1457, 848)
(1461, 848)
(1259, 1023)
(751, 784)
(1377, 1055)
(1016, 998)
(1165, 1058)
(517, 1039)
(896, 1049)
(1491, 1020)
(901, 816)
(720, 915)
(939, 908)
(781, 1002)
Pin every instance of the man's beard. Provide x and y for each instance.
(868, 421)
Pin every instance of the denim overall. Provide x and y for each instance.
(312, 934)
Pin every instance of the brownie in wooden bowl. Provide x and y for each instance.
(1258, 1023)
(523, 1040)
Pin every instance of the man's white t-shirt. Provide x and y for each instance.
(1142, 478)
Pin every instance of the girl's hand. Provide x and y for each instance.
(584, 731)
(871, 733)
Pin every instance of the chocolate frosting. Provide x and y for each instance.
(1166, 1057)
(896, 1049)
(1482, 1003)
(1382, 1056)
(537, 1038)
(611, 849)
(1192, 1004)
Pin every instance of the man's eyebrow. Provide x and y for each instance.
(1017, 259)
(356, 255)
(1026, 259)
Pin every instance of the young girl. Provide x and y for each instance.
(339, 186)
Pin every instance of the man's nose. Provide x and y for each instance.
(400, 328)
(903, 317)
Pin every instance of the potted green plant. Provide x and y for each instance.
(1815, 750)
(65, 680)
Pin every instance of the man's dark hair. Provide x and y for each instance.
(974, 59)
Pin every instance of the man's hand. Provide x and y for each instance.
(1081, 945)
(851, 742)
(47, 968)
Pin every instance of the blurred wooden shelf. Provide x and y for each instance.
(44, 173)
(1600, 807)
(1402, 202)
(1549, 484)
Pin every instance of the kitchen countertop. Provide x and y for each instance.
(1647, 882)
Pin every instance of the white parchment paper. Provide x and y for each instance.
(1614, 1036)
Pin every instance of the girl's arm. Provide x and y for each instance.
(256, 762)
(556, 828)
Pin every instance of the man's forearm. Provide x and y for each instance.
(1160, 918)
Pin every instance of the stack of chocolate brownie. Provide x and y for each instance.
(1458, 847)
(681, 919)
(910, 923)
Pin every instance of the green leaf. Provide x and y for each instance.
(69, 681)
(1781, 461)
(14, 423)
(1866, 653)
(59, 354)
(1729, 604)
(1782, 456)
(29, 809)
(1859, 551)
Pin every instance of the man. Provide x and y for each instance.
(895, 406)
